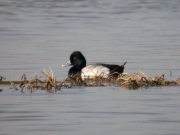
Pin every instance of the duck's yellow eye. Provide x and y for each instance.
(74, 58)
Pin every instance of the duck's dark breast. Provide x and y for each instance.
(74, 72)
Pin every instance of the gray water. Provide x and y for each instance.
(35, 33)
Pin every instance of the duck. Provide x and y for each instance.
(80, 70)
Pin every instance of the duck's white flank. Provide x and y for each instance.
(93, 70)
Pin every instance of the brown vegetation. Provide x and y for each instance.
(129, 81)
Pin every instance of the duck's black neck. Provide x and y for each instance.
(81, 63)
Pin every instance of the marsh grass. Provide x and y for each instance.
(140, 80)
(129, 81)
(47, 81)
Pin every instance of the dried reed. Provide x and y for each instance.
(130, 81)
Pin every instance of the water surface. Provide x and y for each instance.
(36, 33)
(107, 110)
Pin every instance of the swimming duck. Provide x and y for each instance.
(79, 69)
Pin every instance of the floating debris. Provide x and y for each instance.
(2, 78)
(133, 81)
(130, 81)
(14, 86)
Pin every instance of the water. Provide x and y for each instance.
(35, 33)
(107, 110)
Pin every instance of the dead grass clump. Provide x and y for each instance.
(49, 83)
(96, 81)
(130, 81)
(139, 80)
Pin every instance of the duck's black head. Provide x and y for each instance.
(77, 60)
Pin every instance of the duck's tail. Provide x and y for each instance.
(124, 64)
